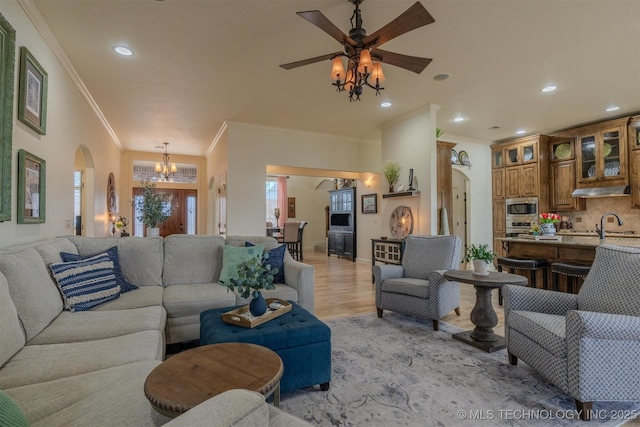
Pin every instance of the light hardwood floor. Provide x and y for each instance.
(344, 288)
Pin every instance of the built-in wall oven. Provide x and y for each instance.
(521, 215)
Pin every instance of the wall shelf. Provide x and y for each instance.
(401, 194)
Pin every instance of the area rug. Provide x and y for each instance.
(398, 371)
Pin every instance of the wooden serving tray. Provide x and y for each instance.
(242, 317)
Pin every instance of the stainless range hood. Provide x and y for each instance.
(616, 190)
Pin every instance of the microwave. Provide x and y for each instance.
(522, 206)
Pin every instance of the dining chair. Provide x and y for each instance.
(290, 237)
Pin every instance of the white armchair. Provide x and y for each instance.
(418, 287)
(585, 344)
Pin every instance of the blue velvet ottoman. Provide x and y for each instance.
(301, 340)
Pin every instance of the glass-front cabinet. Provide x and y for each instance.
(601, 154)
(525, 152)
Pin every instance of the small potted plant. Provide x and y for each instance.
(254, 276)
(154, 207)
(481, 257)
(391, 170)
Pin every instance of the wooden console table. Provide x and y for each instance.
(388, 251)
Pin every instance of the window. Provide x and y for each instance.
(191, 214)
(272, 199)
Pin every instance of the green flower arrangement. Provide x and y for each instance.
(253, 276)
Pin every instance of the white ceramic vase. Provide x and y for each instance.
(153, 232)
(548, 229)
(480, 267)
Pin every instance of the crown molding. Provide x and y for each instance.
(43, 28)
(216, 139)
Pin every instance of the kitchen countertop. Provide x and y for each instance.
(613, 234)
(567, 240)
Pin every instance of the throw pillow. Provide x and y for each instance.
(234, 255)
(275, 260)
(10, 413)
(86, 283)
(113, 254)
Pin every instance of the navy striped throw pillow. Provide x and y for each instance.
(86, 283)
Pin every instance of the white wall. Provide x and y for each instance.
(310, 204)
(411, 141)
(70, 123)
(251, 148)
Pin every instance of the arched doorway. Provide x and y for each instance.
(461, 226)
(84, 178)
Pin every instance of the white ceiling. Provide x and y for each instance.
(200, 63)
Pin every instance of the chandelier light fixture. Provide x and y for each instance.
(361, 50)
(165, 169)
(361, 71)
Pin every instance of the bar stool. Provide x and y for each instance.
(572, 273)
(519, 266)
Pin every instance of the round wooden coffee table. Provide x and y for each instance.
(193, 376)
(483, 315)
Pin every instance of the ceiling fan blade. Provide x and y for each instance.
(411, 63)
(319, 20)
(414, 17)
(297, 64)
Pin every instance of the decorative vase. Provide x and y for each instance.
(480, 267)
(548, 229)
(391, 187)
(258, 306)
(153, 232)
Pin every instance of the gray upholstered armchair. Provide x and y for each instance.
(586, 344)
(418, 287)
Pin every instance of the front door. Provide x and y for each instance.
(183, 218)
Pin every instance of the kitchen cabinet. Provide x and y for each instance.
(633, 132)
(499, 217)
(497, 158)
(521, 181)
(499, 226)
(562, 176)
(522, 153)
(497, 183)
(601, 154)
(634, 161)
(562, 183)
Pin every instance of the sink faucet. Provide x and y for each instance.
(600, 230)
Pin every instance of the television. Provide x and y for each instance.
(340, 220)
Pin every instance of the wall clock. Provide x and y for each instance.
(401, 222)
(111, 193)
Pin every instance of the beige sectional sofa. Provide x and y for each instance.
(88, 367)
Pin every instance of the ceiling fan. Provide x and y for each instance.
(360, 49)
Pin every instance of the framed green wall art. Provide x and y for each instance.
(32, 104)
(32, 172)
(7, 62)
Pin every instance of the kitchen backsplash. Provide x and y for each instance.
(597, 207)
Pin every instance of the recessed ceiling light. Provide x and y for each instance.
(520, 131)
(458, 119)
(385, 104)
(124, 51)
(441, 77)
(613, 108)
(549, 88)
